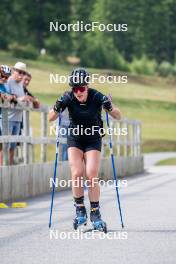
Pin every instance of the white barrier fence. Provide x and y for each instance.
(30, 179)
(124, 145)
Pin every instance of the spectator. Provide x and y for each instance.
(5, 72)
(15, 87)
(26, 81)
(36, 104)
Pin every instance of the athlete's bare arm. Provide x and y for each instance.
(115, 113)
(52, 116)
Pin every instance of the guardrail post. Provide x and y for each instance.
(135, 138)
(26, 132)
(5, 132)
(44, 134)
(131, 138)
(119, 138)
(125, 125)
(138, 132)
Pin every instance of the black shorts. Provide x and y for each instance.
(84, 144)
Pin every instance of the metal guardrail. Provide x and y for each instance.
(124, 145)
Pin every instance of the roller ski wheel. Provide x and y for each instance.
(81, 217)
(97, 222)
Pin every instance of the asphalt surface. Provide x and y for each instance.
(151, 159)
(149, 236)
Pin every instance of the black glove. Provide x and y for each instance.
(58, 106)
(62, 103)
(107, 105)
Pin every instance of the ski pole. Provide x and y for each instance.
(55, 170)
(114, 171)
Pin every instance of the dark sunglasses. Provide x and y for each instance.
(21, 72)
(81, 89)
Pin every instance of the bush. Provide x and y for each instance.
(25, 52)
(119, 62)
(94, 56)
(165, 69)
(46, 58)
(143, 66)
(100, 55)
(53, 45)
(174, 70)
(3, 43)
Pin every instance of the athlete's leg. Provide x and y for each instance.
(92, 165)
(92, 159)
(75, 157)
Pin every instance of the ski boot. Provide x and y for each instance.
(81, 216)
(97, 222)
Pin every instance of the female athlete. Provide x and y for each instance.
(84, 147)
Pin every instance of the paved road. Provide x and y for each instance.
(151, 159)
(149, 211)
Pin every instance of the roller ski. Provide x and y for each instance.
(97, 222)
(81, 216)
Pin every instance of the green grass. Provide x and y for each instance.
(152, 100)
(171, 161)
(157, 145)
